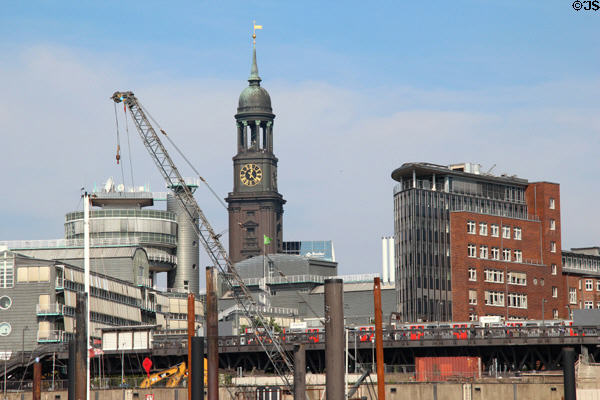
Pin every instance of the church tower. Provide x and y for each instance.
(255, 207)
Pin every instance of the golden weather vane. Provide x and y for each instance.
(254, 28)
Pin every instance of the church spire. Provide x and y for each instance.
(254, 79)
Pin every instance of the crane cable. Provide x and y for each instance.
(118, 156)
(128, 144)
(183, 156)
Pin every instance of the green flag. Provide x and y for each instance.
(267, 239)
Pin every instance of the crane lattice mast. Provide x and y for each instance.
(271, 344)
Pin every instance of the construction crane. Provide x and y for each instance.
(271, 342)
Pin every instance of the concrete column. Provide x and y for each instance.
(212, 333)
(568, 364)
(299, 372)
(81, 352)
(71, 369)
(414, 178)
(334, 338)
(196, 379)
(191, 325)
(37, 381)
(379, 339)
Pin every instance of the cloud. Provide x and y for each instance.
(337, 145)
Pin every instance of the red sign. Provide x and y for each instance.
(147, 364)
(93, 352)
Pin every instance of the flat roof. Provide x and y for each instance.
(422, 168)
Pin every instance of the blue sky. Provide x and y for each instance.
(358, 89)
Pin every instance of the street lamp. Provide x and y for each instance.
(543, 317)
(23, 344)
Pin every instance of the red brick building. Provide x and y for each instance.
(470, 244)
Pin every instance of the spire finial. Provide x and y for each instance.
(254, 78)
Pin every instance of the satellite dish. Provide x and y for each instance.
(109, 186)
(120, 188)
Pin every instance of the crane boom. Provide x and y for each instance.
(271, 344)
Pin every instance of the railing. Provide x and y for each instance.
(50, 336)
(49, 309)
(307, 278)
(70, 243)
(123, 213)
(161, 256)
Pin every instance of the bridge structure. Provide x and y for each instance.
(507, 349)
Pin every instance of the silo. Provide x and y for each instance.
(185, 276)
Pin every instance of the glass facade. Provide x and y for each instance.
(319, 249)
(422, 205)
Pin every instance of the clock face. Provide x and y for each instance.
(5, 329)
(5, 302)
(250, 174)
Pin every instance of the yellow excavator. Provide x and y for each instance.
(174, 375)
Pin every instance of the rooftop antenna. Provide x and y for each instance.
(490, 170)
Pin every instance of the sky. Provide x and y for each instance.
(358, 89)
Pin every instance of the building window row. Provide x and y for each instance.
(494, 298)
(494, 276)
(484, 253)
(517, 300)
(517, 278)
(495, 229)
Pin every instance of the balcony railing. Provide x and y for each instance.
(319, 279)
(54, 336)
(49, 309)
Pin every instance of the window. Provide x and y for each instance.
(588, 305)
(494, 276)
(471, 226)
(483, 229)
(553, 247)
(552, 224)
(552, 204)
(495, 230)
(7, 273)
(517, 300)
(506, 254)
(483, 252)
(472, 317)
(589, 285)
(506, 231)
(33, 274)
(554, 270)
(495, 253)
(517, 233)
(472, 274)
(554, 292)
(472, 250)
(555, 313)
(517, 278)
(572, 296)
(494, 298)
(598, 285)
(598, 304)
(518, 256)
(473, 297)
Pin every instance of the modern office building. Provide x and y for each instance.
(469, 244)
(122, 217)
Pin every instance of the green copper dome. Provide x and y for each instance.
(254, 98)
